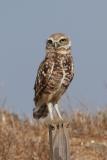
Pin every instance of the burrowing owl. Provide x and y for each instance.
(54, 75)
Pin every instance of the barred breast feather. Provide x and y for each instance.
(53, 78)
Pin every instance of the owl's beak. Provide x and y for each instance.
(56, 45)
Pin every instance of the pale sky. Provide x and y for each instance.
(24, 27)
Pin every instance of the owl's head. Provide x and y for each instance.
(58, 42)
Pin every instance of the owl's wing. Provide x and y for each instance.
(43, 75)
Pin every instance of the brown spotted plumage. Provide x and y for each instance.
(54, 75)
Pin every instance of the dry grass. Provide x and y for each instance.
(26, 140)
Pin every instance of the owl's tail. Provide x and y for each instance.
(40, 112)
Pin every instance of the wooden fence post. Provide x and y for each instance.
(51, 142)
(59, 142)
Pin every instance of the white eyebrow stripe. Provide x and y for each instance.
(50, 39)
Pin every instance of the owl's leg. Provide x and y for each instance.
(58, 112)
(50, 108)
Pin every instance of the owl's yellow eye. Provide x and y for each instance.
(49, 42)
(63, 41)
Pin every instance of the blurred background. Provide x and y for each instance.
(24, 28)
